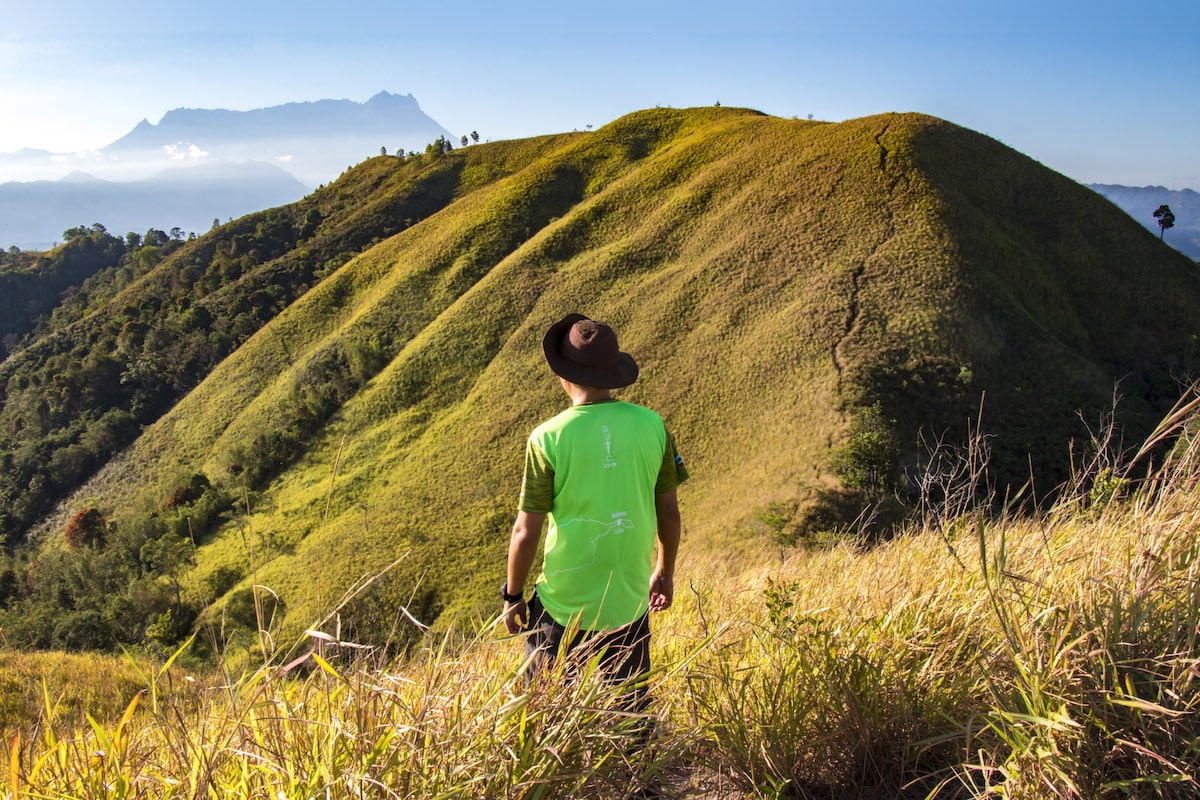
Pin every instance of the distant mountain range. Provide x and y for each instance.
(231, 162)
(34, 215)
(313, 141)
(1140, 203)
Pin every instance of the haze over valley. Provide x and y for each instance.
(197, 165)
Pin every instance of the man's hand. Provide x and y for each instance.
(516, 616)
(662, 580)
(662, 591)
(522, 548)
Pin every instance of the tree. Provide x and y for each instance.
(1166, 219)
(463, 140)
(155, 238)
(868, 459)
(439, 147)
(475, 137)
(169, 556)
(383, 150)
(86, 527)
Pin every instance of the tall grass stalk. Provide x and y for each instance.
(456, 721)
(1061, 662)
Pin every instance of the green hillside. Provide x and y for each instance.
(779, 281)
(144, 331)
(32, 284)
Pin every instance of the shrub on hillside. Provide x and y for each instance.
(820, 517)
(254, 608)
(221, 580)
(868, 459)
(87, 527)
(382, 615)
(185, 493)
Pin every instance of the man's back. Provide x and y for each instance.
(603, 461)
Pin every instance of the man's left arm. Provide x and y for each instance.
(662, 580)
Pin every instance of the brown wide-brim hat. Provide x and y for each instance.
(585, 352)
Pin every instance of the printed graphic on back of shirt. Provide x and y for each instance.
(598, 530)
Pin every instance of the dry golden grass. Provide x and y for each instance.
(1017, 657)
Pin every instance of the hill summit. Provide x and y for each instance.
(343, 386)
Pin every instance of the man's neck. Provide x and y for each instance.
(585, 394)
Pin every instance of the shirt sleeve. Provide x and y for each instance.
(673, 472)
(537, 483)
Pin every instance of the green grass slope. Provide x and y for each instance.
(772, 277)
(140, 334)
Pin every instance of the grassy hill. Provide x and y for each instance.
(785, 285)
(75, 391)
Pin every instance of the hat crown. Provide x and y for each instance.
(585, 352)
(591, 344)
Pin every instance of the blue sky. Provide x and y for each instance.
(1101, 91)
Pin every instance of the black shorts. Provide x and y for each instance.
(624, 652)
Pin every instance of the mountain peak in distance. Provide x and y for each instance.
(79, 176)
(384, 113)
(313, 140)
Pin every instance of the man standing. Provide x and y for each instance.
(604, 473)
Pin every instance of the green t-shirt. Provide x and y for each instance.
(594, 469)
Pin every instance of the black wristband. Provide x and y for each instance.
(509, 598)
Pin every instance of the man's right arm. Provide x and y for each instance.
(522, 549)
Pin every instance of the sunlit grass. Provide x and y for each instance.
(1017, 657)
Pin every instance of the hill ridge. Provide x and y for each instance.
(776, 279)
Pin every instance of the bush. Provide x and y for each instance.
(87, 527)
(868, 459)
(189, 492)
(221, 580)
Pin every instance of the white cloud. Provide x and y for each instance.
(181, 151)
(285, 159)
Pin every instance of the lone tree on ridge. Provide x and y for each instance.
(1166, 219)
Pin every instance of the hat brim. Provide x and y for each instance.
(623, 373)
